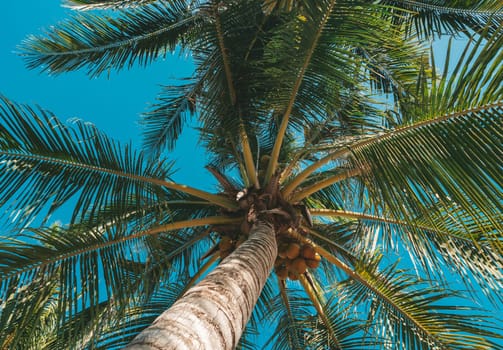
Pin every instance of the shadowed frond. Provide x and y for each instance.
(28, 314)
(122, 331)
(343, 321)
(100, 43)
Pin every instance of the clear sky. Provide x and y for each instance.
(112, 103)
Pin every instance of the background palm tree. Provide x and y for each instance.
(328, 127)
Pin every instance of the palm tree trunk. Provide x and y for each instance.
(213, 314)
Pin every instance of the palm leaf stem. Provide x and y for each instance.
(293, 323)
(312, 293)
(292, 164)
(284, 298)
(305, 192)
(360, 279)
(329, 241)
(200, 272)
(248, 156)
(212, 198)
(375, 218)
(239, 161)
(213, 220)
(255, 38)
(85, 5)
(245, 144)
(291, 186)
(306, 150)
(225, 58)
(451, 10)
(273, 162)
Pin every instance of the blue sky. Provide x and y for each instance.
(112, 103)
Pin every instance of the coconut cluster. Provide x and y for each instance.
(294, 259)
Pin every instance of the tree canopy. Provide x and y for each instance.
(333, 117)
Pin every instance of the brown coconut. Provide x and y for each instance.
(282, 249)
(312, 263)
(293, 250)
(308, 251)
(299, 265)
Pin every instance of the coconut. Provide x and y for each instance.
(282, 249)
(308, 251)
(293, 251)
(299, 265)
(312, 263)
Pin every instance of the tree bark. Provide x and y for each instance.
(212, 315)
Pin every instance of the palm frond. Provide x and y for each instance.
(434, 18)
(410, 312)
(314, 29)
(84, 5)
(445, 166)
(342, 320)
(61, 162)
(133, 265)
(45, 162)
(28, 314)
(122, 330)
(438, 251)
(100, 43)
(288, 319)
(164, 122)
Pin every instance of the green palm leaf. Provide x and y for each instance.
(407, 311)
(430, 18)
(123, 330)
(132, 265)
(100, 43)
(164, 122)
(288, 316)
(424, 169)
(106, 4)
(45, 163)
(438, 251)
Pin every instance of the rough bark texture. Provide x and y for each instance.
(213, 314)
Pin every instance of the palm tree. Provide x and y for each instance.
(345, 162)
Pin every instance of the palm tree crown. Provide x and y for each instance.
(326, 121)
